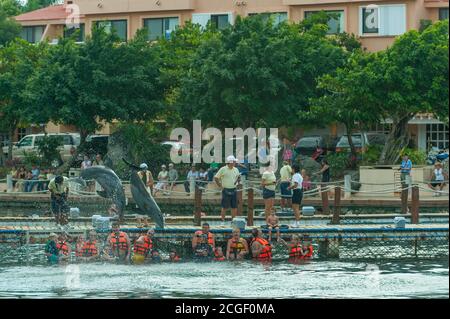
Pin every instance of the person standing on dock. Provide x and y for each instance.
(192, 176)
(227, 179)
(269, 183)
(173, 176)
(146, 176)
(405, 171)
(297, 196)
(120, 243)
(59, 192)
(285, 181)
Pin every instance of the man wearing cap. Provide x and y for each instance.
(59, 191)
(146, 176)
(227, 179)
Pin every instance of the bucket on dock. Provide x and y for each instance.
(308, 211)
(239, 222)
(101, 223)
(399, 222)
(74, 212)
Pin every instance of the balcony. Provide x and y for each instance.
(126, 6)
(314, 2)
(436, 3)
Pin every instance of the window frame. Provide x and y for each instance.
(163, 19)
(97, 22)
(306, 11)
(360, 18)
(82, 34)
(33, 27)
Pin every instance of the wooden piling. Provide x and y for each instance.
(325, 204)
(337, 206)
(250, 207)
(404, 200)
(240, 202)
(198, 207)
(415, 205)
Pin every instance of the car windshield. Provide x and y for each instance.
(309, 142)
(356, 138)
(26, 141)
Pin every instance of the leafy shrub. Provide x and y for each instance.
(371, 156)
(31, 159)
(417, 157)
(48, 150)
(338, 163)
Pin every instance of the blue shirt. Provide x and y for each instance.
(406, 166)
(35, 173)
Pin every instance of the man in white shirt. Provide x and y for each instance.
(297, 192)
(227, 179)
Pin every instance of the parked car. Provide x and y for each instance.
(360, 140)
(97, 144)
(308, 145)
(377, 138)
(28, 144)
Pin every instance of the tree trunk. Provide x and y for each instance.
(397, 139)
(349, 130)
(12, 132)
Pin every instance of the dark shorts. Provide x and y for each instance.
(229, 198)
(285, 192)
(267, 193)
(59, 205)
(437, 183)
(297, 196)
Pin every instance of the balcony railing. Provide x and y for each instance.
(124, 6)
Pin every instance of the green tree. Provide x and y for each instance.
(11, 7)
(17, 62)
(258, 74)
(100, 81)
(9, 29)
(32, 5)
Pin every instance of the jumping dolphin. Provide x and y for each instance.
(111, 184)
(143, 198)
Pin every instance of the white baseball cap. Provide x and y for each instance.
(143, 166)
(231, 159)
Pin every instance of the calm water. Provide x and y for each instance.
(316, 279)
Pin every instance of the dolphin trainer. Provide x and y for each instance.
(143, 198)
(110, 183)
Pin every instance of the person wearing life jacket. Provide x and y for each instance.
(295, 248)
(218, 254)
(307, 248)
(64, 248)
(203, 251)
(155, 256)
(120, 243)
(204, 231)
(261, 248)
(90, 250)
(79, 246)
(146, 176)
(142, 247)
(237, 247)
(173, 256)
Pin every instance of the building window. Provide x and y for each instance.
(437, 135)
(385, 20)
(160, 28)
(119, 26)
(219, 21)
(22, 132)
(278, 17)
(336, 21)
(32, 34)
(380, 128)
(68, 32)
(443, 13)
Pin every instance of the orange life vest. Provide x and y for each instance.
(119, 241)
(144, 248)
(217, 258)
(63, 248)
(89, 249)
(296, 252)
(174, 259)
(266, 253)
(210, 237)
(308, 250)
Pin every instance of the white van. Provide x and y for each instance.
(28, 144)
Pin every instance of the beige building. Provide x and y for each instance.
(375, 22)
